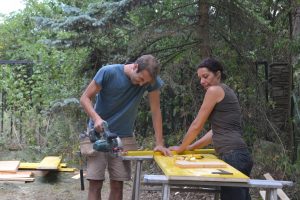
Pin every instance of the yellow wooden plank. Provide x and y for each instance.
(29, 165)
(167, 164)
(63, 165)
(66, 169)
(50, 163)
(151, 153)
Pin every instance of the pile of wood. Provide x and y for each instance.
(16, 171)
(49, 163)
(9, 172)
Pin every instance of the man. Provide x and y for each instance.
(118, 90)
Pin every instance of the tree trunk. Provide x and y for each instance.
(295, 57)
(205, 49)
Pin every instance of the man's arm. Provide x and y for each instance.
(154, 100)
(86, 102)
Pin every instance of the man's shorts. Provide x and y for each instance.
(118, 169)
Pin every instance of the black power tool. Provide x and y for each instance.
(106, 141)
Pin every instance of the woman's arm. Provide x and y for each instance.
(202, 142)
(213, 95)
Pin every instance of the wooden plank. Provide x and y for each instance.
(29, 165)
(280, 192)
(77, 176)
(263, 194)
(15, 175)
(14, 182)
(195, 164)
(63, 165)
(50, 163)
(152, 153)
(66, 169)
(9, 166)
(33, 166)
(17, 179)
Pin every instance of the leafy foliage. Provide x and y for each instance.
(69, 40)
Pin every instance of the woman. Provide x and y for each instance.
(221, 107)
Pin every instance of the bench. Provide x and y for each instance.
(270, 186)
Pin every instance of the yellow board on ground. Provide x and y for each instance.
(61, 168)
(151, 153)
(28, 165)
(50, 163)
(173, 172)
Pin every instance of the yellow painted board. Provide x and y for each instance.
(50, 163)
(62, 165)
(167, 164)
(66, 169)
(151, 153)
(29, 165)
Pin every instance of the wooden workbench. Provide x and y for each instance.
(176, 176)
(140, 156)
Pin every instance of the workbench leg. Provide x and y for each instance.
(271, 194)
(137, 181)
(217, 196)
(166, 192)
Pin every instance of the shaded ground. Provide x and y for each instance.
(60, 186)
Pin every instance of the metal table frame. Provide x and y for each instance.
(271, 186)
(137, 174)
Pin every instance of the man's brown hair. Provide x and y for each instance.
(149, 63)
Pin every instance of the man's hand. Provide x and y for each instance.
(98, 125)
(163, 150)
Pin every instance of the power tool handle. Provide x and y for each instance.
(107, 132)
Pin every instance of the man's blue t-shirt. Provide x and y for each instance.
(118, 100)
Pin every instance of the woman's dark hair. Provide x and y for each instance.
(213, 65)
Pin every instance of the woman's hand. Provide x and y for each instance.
(189, 148)
(176, 148)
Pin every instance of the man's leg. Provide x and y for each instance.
(95, 187)
(120, 170)
(116, 190)
(96, 174)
